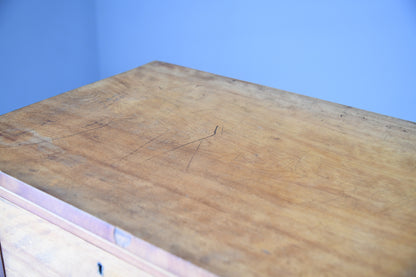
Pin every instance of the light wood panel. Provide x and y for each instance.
(109, 238)
(237, 178)
(34, 247)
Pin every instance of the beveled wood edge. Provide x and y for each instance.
(112, 239)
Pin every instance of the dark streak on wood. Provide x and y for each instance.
(185, 144)
(137, 149)
(57, 138)
(193, 155)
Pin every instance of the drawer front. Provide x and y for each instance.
(32, 246)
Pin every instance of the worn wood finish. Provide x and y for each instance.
(237, 178)
(97, 232)
(34, 247)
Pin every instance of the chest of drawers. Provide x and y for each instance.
(169, 171)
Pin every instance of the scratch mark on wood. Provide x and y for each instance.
(185, 144)
(58, 138)
(193, 155)
(200, 139)
(82, 132)
(137, 149)
(236, 157)
(215, 131)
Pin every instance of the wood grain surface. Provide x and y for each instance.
(95, 232)
(236, 178)
(34, 247)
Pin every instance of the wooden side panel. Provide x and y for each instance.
(34, 247)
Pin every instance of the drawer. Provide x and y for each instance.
(32, 246)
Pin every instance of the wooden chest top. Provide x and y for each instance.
(188, 170)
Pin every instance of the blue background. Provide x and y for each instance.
(360, 53)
